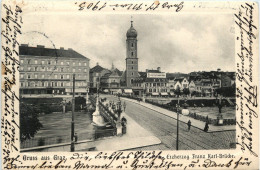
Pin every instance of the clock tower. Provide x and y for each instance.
(131, 56)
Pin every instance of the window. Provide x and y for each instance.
(132, 44)
(22, 61)
(36, 62)
(42, 83)
(36, 68)
(49, 62)
(85, 70)
(132, 62)
(61, 84)
(132, 68)
(132, 53)
(52, 84)
(68, 76)
(132, 74)
(85, 64)
(132, 81)
(79, 63)
(56, 76)
(73, 70)
(42, 61)
(36, 76)
(29, 61)
(61, 69)
(79, 70)
(61, 63)
(74, 63)
(28, 84)
(36, 83)
(68, 63)
(42, 75)
(21, 84)
(29, 76)
(43, 68)
(21, 68)
(61, 76)
(56, 84)
(22, 75)
(29, 68)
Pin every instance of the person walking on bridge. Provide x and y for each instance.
(189, 125)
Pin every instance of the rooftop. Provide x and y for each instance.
(50, 52)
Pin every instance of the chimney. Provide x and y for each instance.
(159, 69)
(40, 46)
(219, 70)
(62, 48)
(70, 49)
(24, 45)
(146, 70)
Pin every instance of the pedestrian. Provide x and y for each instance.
(189, 125)
(206, 128)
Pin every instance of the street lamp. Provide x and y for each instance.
(177, 138)
(87, 90)
(72, 147)
(220, 116)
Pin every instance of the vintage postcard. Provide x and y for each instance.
(129, 85)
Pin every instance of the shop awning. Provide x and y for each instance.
(106, 91)
(83, 90)
(164, 94)
(155, 94)
(119, 91)
(128, 91)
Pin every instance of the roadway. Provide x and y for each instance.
(165, 129)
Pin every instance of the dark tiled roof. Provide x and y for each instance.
(142, 74)
(153, 71)
(96, 69)
(175, 75)
(41, 51)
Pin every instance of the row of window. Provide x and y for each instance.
(55, 69)
(52, 62)
(52, 76)
(157, 90)
(155, 84)
(50, 84)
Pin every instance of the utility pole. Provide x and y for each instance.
(72, 147)
(177, 138)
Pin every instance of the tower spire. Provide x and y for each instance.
(131, 21)
(112, 66)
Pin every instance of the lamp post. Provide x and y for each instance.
(87, 90)
(72, 147)
(220, 117)
(177, 138)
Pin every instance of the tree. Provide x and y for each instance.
(186, 91)
(194, 93)
(29, 122)
(177, 91)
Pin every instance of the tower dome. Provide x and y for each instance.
(131, 33)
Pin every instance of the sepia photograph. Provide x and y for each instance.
(127, 82)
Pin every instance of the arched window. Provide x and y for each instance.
(52, 84)
(132, 81)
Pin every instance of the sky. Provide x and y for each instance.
(176, 43)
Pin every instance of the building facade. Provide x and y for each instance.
(46, 71)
